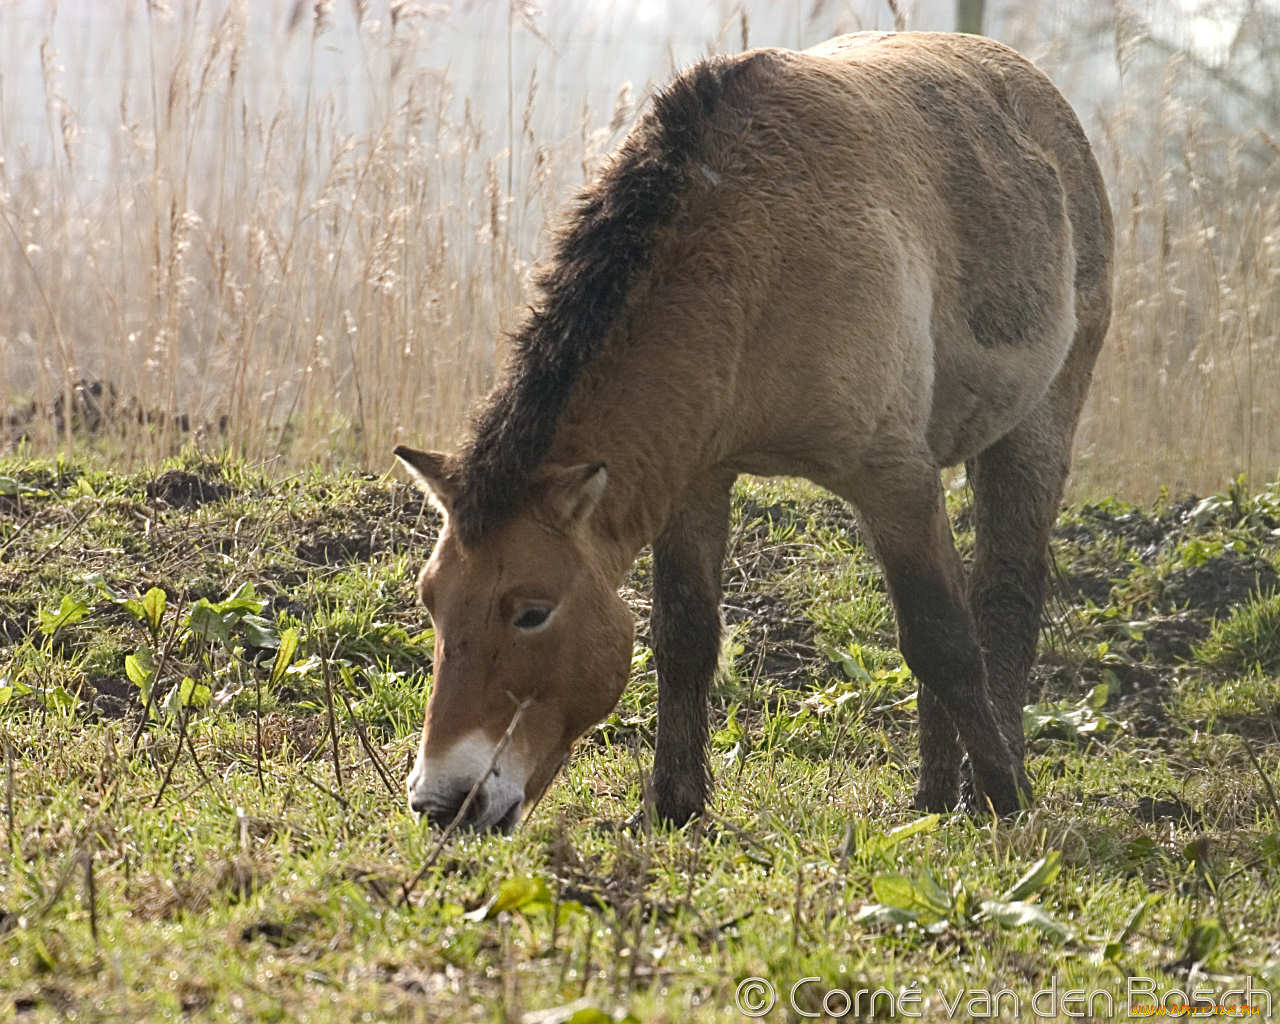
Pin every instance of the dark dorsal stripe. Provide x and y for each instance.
(606, 244)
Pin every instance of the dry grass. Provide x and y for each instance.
(304, 237)
(1184, 392)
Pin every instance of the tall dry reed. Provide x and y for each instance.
(248, 240)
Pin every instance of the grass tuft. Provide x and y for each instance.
(1248, 639)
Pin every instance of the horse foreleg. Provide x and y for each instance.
(685, 626)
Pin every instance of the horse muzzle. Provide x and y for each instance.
(440, 788)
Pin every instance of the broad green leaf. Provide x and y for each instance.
(852, 667)
(243, 601)
(1034, 721)
(171, 705)
(879, 914)
(284, 654)
(12, 488)
(311, 663)
(913, 828)
(42, 954)
(1116, 946)
(134, 608)
(193, 694)
(894, 890)
(929, 893)
(566, 910)
(70, 610)
(153, 602)
(99, 582)
(922, 896)
(732, 731)
(138, 609)
(1017, 914)
(140, 667)
(580, 1011)
(521, 893)
(1144, 848)
(260, 632)
(206, 621)
(61, 698)
(1038, 876)
(187, 693)
(10, 689)
(886, 842)
(594, 1016)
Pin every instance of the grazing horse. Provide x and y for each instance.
(858, 264)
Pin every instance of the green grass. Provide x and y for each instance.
(239, 858)
(1249, 637)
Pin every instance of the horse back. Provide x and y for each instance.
(938, 229)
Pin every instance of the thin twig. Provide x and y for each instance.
(204, 776)
(91, 892)
(1266, 781)
(644, 818)
(528, 811)
(87, 833)
(458, 818)
(333, 720)
(177, 753)
(342, 800)
(257, 725)
(21, 529)
(368, 746)
(155, 678)
(8, 792)
(64, 877)
(46, 552)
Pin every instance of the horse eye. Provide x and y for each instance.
(532, 618)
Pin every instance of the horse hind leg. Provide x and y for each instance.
(901, 502)
(1017, 485)
(686, 630)
(940, 756)
(1015, 502)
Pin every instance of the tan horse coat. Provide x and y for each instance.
(858, 264)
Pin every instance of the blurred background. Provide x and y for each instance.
(300, 231)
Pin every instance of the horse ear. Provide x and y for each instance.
(429, 472)
(573, 492)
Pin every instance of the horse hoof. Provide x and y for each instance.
(1005, 800)
(935, 803)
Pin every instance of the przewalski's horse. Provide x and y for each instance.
(858, 264)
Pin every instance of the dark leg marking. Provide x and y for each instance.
(687, 560)
(902, 506)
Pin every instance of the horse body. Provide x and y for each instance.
(858, 264)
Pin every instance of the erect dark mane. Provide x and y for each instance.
(606, 244)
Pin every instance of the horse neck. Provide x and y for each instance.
(651, 409)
